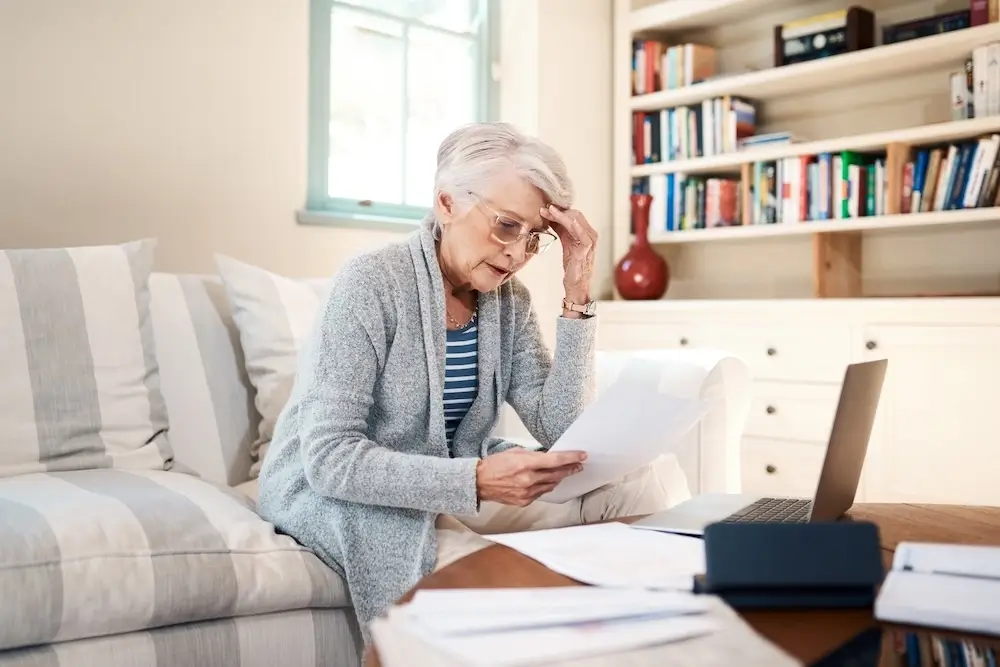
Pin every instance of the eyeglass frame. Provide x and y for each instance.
(524, 233)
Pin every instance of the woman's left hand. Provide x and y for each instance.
(579, 242)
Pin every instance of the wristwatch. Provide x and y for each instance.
(588, 309)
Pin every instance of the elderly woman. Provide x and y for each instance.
(382, 461)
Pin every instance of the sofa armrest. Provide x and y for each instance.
(707, 374)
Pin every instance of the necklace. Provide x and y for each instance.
(455, 323)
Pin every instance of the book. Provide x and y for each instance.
(950, 586)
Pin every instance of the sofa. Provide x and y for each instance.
(135, 408)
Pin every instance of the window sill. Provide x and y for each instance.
(357, 221)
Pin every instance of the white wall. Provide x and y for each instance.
(186, 120)
(556, 83)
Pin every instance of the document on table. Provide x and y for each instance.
(613, 555)
(511, 627)
(518, 628)
(629, 425)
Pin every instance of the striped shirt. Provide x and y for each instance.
(460, 375)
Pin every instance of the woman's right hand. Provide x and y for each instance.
(519, 476)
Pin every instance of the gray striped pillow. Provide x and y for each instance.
(274, 314)
(205, 385)
(80, 381)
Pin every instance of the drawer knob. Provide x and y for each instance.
(770, 469)
(771, 352)
(871, 345)
(684, 341)
(771, 409)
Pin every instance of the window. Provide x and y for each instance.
(388, 80)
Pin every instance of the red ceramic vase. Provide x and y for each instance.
(642, 274)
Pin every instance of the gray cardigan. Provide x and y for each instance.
(359, 467)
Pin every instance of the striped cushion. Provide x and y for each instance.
(97, 552)
(80, 383)
(205, 385)
(273, 314)
(301, 638)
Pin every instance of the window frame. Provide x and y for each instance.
(320, 208)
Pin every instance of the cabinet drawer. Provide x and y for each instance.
(797, 353)
(643, 335)
(792, 411)
(781, 468)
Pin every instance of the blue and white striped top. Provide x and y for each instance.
(460, 375)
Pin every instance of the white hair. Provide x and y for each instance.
(473, 155)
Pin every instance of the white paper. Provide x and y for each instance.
(545, 646)
(731, 642)
(466, 611)
(613, 555)
(630, 424)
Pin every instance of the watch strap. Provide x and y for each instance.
(588, 309)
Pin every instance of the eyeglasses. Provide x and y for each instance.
(507, 230)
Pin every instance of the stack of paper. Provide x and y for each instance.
(542, 626)
(943, 585)
(613, 555)
(568, 626)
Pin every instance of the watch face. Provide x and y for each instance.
(592, 308)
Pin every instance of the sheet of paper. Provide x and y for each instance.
(613, 555)
(465, 611)
(732, 642)
(629, 425)
(548, 645)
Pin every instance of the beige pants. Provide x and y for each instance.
(649, 489)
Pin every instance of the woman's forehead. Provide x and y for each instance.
(518, 199)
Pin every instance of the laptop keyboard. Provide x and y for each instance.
(773, 510)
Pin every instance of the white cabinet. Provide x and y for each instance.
(937, 432)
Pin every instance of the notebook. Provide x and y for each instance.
(949, 586)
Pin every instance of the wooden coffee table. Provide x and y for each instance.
(807, 635)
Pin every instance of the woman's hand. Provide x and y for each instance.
(579, 242)
(519, 476)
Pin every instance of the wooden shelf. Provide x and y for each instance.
(876, 141)
(881, 223)
(826, 73)
(689, 14)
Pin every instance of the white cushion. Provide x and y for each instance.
(80, 384)
(208, 395)
(100, 552)
(274, 314)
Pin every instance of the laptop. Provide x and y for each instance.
(838, 479)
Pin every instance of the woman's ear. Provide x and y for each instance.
(444, 206)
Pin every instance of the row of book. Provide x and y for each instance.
(683, 203)
(659, 66)
(963, 175)
(926, 648)
(816, 187)
(975, 90)
(829, 186)
(714, 127)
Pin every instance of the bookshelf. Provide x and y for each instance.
(798, 301)
(888, 100)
